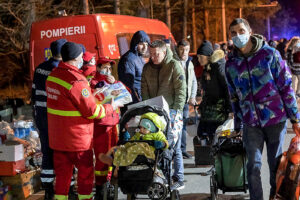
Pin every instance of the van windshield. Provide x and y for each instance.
(125, 38)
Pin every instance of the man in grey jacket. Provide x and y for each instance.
(183, 49)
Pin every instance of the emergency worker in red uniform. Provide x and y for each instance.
(89, 65)
(106, 130)
(71, 111)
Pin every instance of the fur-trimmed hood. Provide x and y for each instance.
(217, 56)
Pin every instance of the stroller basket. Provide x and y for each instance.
(230, 165)
(137, 177)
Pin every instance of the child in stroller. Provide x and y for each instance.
(142, 175)
(149, 129)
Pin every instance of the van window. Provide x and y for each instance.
(125, 38)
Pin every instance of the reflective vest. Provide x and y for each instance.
(71, 109)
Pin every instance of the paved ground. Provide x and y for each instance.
(197, 187)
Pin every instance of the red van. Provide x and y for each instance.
(104, 34)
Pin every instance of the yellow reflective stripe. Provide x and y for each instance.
(63, 83)
(89, 77)
(96, 113)
(103, 173)
(63, 112)
(60, 197)
(86, 196)
(102, 112)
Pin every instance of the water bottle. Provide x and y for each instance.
(204, 139)
(22, 132)
(17, 132)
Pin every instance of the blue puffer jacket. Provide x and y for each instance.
(131, 66)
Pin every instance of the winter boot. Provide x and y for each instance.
(49, 191)
(99, 192)
(72, 195)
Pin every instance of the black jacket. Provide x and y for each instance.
(213, 81)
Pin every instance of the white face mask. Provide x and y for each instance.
(298, 45)
(104, 72)
(241, 40)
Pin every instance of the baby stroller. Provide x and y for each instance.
(141, 177)
(229, 171)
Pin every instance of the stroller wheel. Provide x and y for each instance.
(131, 196)
(213, 188)
(175, 195)
(109, 191)
(157, 191)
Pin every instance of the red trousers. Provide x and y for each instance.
(105, 137)
(64, 163)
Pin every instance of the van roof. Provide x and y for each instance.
(108, 19)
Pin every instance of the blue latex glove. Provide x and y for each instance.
(159, 144)
(126, 136)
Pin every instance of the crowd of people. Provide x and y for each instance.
(246, 79)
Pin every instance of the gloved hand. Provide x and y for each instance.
(159, 144)
(126, 136)
(296, 128)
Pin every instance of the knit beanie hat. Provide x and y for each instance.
(70, 51)
(56, 46)
(149, 125)
(205, 49)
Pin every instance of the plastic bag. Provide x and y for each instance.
(226, 128)
(117, 91)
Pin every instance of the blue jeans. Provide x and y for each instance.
(253, 139)
(178, 161)
(184, 132)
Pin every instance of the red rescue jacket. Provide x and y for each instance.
(71, 109)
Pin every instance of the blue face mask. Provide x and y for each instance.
(298, 44)
(241, 40)
(80, 64)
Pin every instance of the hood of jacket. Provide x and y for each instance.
(139, 36)
(155, 118)
(217, 56)
(168, 57)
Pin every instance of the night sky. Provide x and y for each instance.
(294, 5)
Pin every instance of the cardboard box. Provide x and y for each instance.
(11, 168)
(156, 101)
(23, 185)
(11, 153)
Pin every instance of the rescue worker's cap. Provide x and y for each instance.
(56, 46)
(104, 60)
(70, 51)
(87, 56)
(205, 49)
